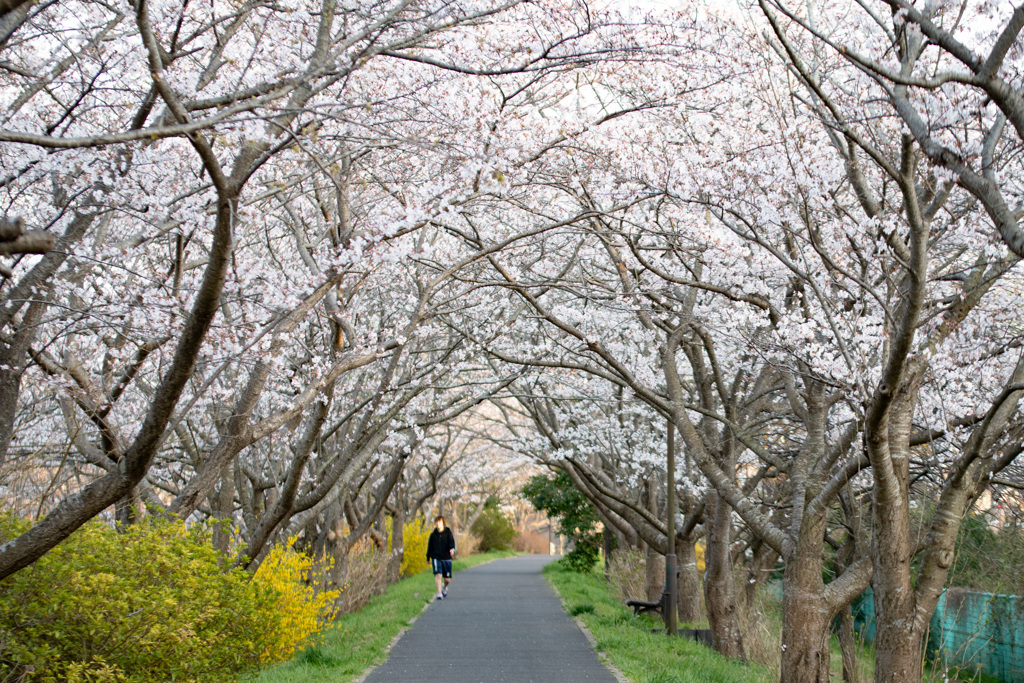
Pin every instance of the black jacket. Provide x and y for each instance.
(440, 544)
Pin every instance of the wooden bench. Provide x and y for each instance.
(699, 635)
(647, 606)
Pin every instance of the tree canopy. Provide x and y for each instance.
(302, 266)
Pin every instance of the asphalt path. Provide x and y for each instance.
(500, 623)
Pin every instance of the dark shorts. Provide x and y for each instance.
(442, 567)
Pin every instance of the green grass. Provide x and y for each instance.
(644, 657)
(357, 641)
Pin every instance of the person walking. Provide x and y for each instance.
(440, 551)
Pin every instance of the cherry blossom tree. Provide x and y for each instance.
(170, 136)
(749, 253)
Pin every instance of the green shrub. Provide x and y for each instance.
(583, 557)
(493, 528)
(988, 558)
(154, 603)
(559, 498)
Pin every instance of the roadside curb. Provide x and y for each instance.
(394, 641)
(603, 656)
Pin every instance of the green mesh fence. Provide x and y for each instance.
(983, 631)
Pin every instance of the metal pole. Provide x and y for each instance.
(671, 580)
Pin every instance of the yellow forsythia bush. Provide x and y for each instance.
(414, 539)
(302, 611)
(154, 603)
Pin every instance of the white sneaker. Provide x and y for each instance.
(439, 597)
(444, 593)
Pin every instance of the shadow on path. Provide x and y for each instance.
(501, 622)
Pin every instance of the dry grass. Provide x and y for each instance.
(466, 543)
(627, 573)
(530, 542)
(365, 578)
(761, 624)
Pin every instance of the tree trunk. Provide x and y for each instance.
(339, 569)
(806, 625)
(75, 510)
(12, 367)
(719, 587)
(223, 502)
(805, 636)
(847, 641)
(127, 509)
(606, 537)
(688, 586)
(397, 542)
(898, 635)
(763, 559)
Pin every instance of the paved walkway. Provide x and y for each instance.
(500, 623)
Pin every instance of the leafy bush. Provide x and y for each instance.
(301, 610)
(577, 518)
(494, 529)
(988, 559)
(582, 558)
(988, 555)
(154, 603)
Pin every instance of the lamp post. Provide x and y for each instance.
(671, 580)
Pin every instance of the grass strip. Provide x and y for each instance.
(359, 640)
(627, 641)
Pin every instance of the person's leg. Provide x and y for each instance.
(437, 576)
(446, 575)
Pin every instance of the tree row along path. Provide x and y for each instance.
(501, 622)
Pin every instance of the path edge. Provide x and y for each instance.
(394, 641)
(602, 656)
(409, 624)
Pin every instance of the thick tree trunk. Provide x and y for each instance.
(806, 625)
(805, 637)
(688, 586)
(898, 652)
(719, 587)
(898, 635)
